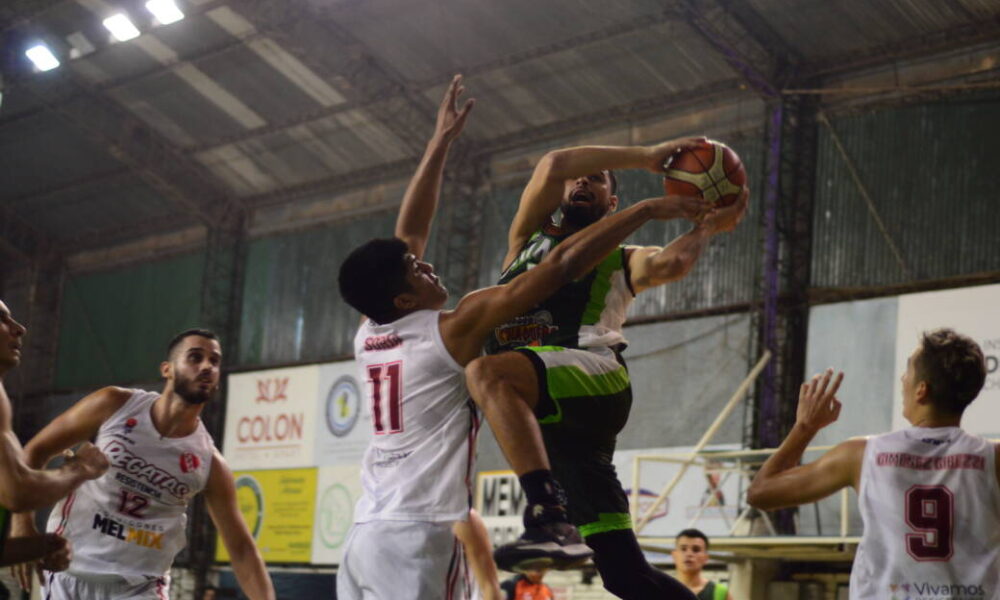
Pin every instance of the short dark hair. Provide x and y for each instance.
(612, 181)
(953, 367)
(372, 276)
(177, 339)
(692, 533)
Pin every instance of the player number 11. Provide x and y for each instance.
(386, 397)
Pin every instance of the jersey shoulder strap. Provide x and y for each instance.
(720, 592)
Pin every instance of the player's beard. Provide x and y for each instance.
(579, 215)
(190, 391)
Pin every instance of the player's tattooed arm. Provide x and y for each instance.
(248, 565)
(416, 213)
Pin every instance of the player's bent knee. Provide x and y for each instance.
(487, 374)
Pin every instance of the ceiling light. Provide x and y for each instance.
(42, 57)
(121, 27)
(165, 11)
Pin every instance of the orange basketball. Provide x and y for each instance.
(712, 171)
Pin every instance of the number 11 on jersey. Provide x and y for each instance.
(386, 395)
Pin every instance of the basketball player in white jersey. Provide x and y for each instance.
(23, 488)
(127, 526)
(929, 495)
(417, 471)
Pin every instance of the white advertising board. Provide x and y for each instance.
(343, 423)
(270, 419)
(337, 491)
(971, 311)
(703, 500)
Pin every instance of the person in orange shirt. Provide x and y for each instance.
(527, 586)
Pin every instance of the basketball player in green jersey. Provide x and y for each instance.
(561, 362)
(23, 488)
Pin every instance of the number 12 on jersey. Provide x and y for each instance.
(386, 395)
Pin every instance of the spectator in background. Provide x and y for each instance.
(690, 555)
(527, 586)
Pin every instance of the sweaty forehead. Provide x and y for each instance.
(687, 541)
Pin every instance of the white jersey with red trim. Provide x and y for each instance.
(131, 520)
(418, 465)
(930, 502)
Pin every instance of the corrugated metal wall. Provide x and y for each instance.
(292, 309)
(114, 325)
(933, 174)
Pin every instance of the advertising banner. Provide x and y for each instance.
(270, 418)
(971, 311)
(343, 423)
(278, 508)
(337, 491)
(703, 498)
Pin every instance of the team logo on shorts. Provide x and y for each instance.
(343, 405)
(250, 499)
(130, 425)
(190, 462)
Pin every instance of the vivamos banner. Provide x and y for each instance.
(270, 418)
(972, 311)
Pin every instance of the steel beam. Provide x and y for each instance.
(744, 40)
(21, 240)
(361, 77)
(459, 238)
(146, 152)
(638, 109)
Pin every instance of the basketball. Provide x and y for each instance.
(712, 171)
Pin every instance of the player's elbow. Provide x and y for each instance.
(760, 498)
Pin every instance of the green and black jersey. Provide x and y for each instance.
(586, 313)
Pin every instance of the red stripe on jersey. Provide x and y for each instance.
(64, 516)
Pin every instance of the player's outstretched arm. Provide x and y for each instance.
(220, 498)
(781, 481)
(544, 191)
(24, 485)
(479, 552)
(465, 328)
(653, 266)
(416, 213)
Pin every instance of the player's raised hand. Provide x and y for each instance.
(818, 404)
(89, 460)
(659, 153)
(451, 119)
(694, 208)
(727, 218)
